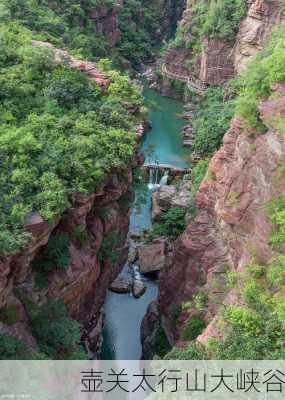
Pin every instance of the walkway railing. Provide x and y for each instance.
(192, 83)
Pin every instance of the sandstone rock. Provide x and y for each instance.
(120, 285)
(152, 257)
(231, 225)
(156, 211)
(183, 196)
(133, 255)
(139, 288)
(263, 16)
(149, 326)
(165, 195)
(89, 68)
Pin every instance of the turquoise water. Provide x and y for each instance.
(123, 312)
(165, 138)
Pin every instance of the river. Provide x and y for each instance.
(123, 312)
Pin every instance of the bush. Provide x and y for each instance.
(193, 328)
(11, 348)
(198, 174)
(57, 334)
(9, 315)
(276, 272)
(277, 215)
(212, 117)
(55, 255)
(108, 250)
(192, 352)
(161, 344)
(256, 82)
(171, 224)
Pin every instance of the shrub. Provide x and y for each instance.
(11, 348)
(108, 250)
(193, 328)
(276, 272)
(211, 120)
(161, 344)
(198, 174)
(55, 255)
(171, 224)
(192, 352)
(9, 315)
(57, 334)
(256, 82)
(277, 215)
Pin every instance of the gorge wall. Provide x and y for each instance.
(231, 227)
(219, 58)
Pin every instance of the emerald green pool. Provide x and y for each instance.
(165, 137)
(123, 312)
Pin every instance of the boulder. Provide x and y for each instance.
(156, 210)
(139, 288)
(120, 285)
(133, 255)
(166, 193)
(152, 257)
(182, 198)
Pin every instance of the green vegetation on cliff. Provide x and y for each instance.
(213, 19)
(93, 29)
(64, 23)
(60, 135)
(256, 83)
(254, 328)
(211, 120)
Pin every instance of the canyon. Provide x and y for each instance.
(228, 229)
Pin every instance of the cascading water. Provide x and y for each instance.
(164, 179)
(153, 182)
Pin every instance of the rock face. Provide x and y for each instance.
(216, 65)
(89, 68)
(171, 196)
(84, 283)
(152, 256)
(149, 326)
(219, 60)
(107, 23)
(263, 16)
(231, 226)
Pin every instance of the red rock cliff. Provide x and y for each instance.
(231, 226)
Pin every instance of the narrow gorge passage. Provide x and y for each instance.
(124, 313)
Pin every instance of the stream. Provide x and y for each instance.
(123, 312)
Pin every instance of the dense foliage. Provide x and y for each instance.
(211, 120)
(57, 334)
(11, 348)
(73, 24)
(59, 134)
(170, 224)
(256, 83)
(215, 19)
(64, 23)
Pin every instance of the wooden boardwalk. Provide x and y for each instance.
(192, 83)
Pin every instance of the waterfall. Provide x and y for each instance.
(153, 182)
(164, 179)
(156, 176)
(150, 182)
